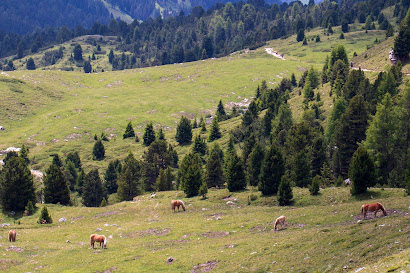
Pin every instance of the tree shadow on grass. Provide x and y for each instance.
(369, 194)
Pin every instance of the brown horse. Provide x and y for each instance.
(12, 235)
(373, 207)
(99, 239)
(177, 203)
(280, 220)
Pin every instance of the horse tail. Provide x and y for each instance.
(182, 204)
(92, 239)
(362, 211)
(276, 224)
(382, 208)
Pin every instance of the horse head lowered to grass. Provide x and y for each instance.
(177, 203)
(373, 207)
(99, 239)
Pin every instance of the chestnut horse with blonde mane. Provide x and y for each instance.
(12, 235)
(373, 207)
(280, 220)
(177, 203)
(99, 239)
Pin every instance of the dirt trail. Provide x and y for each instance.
(276, 54)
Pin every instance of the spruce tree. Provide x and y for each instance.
(87, 67)
(24, 154)
(29, 209)
(164, 180)
(149, 135)
(402, 41)
(98, 150)
(129, 131)
(235, 173)
(199, 145)
(190, 174)
(56, 160)
(220, 112)
(56, 186)
(361, 171)
(159, 155)
(75, 158)
(203, 190)
(111, 176)
(80, 182)
(16, 185)
(272, 169)
(302, 171)
(30, 65)
(184, 131)
(214, 132)
(160, 134)
(315, 186)
(285, 193)
(45, 217)
(78, 53)
(254, 164)
(71, 174)
(93, 190)
(20, 50)
(128, 182)
(214, 175)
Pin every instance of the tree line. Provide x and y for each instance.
(202, 34)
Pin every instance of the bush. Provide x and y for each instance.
(29, 209)
(285, 193)
(45, 217)
(103, 203)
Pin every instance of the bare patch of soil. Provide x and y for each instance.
(147, 232)
(107, 213)
(15, 249)
(78, 217)
(190, 116)
(153, 111)
(258, 229)
(206, 267)
(215, 234)
(217, 214)
(7, 263)
(114, 84)
(297, 225)
(163, 79)
(111, 269)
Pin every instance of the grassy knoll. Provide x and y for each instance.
(323, 234)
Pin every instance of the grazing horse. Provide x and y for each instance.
(99, 239)
(373, 207)
(177, 203)
(280, 220)
(12, 235)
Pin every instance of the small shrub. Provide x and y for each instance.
(29, 209)
(314, 187)
(253, 197)
(45, 217)
(103, 202)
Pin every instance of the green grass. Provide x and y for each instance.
(323, 235)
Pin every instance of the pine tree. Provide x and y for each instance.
(111, 176)
(199, 146)
(149, 135)
(103, 203)
(285, 193)
(203, 190)
(56, 186)
(30, 65)
(29, 209)
(184, 131)
(87, 67)
(98, 150)
(45, 217)
(302, 171)
(160, 134)
(24, 154)
(159, 155)
(190, 174)
(129, 131)
(254, 164)
(16, 184)
(71, 174)
(339, 108)
(78, 52)
(220, 112)
(20, 50)
(314, 187)
(361, 171)
(57, 161)
(164, 180)
(128, 182)
(75, 158)
(80, 182)
(93, 190)
(111, 56)
(214, 132)
(235, 173)
(381, 138)
(272, 169)
(214, 175)
(402, 41)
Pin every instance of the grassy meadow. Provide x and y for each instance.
(53, 111)
(324, 233)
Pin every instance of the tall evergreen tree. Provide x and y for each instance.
(272, 169)
(214, 175)
(24, 154)
(57, 161)
(93, 190)
(302, 170)
(235, 173)
(220, 112)
(128, 182)
(160, 134)
(199, 145)
(214, 132)
(350, 131)
(78, 53)
(75, 158)
(190, 174)
(71, 174)
(361, 171)
(111, 176)
(285, 193)
(56, 186)
(129, 131)
(159, 156)
(381, 138)
(98, 150)
(184, 131)
(402, 41)
(16, 185)
(254, 164)
(149, 134)
(164, 180)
